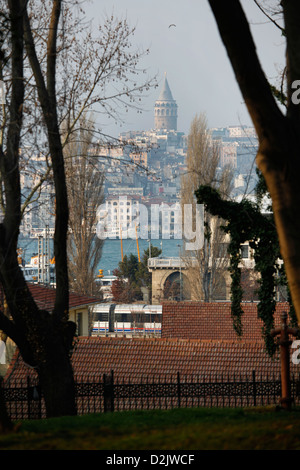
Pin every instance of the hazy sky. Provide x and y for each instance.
(193, 56)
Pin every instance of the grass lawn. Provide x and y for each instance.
(178, 429)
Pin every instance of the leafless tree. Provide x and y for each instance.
(85, 193)
(207, 265)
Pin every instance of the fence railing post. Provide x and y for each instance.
(178, 389)
(112, 393)
(254, 387)
(104, 394)
(108, 392)
(28, 397)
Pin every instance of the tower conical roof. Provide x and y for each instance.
(165, 94)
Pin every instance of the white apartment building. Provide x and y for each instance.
(116, 217)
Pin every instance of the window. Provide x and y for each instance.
(245, 251)
(79, 323)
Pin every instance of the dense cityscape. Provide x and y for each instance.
(147, 166)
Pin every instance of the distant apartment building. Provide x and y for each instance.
(125, 191)
(139, 158)
(108, 155)
(116, 215)
(228, 154)
(133, 216)
(242, 132)
(238, 148)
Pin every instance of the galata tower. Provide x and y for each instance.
(165, 109)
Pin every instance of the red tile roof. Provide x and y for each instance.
(45, 298)
(205, 351)
(133, 358)
(213, 320)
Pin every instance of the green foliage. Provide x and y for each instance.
(129, 267)
(132, 276)
(143, 273)
(279, 95)
(245, 222)
(236, 289)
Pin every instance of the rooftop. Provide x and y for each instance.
(135, 358)
(165, 93)
(45, 298)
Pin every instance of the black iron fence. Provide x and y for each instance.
(109, 393)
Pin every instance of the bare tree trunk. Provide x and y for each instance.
(85, 194)
(57, 381)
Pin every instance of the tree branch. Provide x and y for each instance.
(269, 17)
(51, 49)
